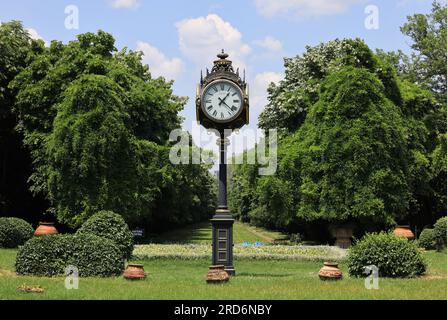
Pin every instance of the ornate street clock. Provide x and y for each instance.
(222, 103)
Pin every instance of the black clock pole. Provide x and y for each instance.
(222, 221)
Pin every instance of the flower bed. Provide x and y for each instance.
(269, 252)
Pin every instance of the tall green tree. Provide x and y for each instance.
(392, 96)
(428, 68)
(428, 33)
(352, 153)
(98, 125)
(17, 51)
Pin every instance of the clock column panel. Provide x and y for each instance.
(222, 222)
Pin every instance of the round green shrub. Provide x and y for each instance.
(394, 256)
(110, 225)
(50, 255)
(427, 239)
(44, 256)
(14, 232)
(97, 256)
(440, 233)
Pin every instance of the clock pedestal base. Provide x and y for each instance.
(222, 223)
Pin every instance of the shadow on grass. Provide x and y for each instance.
(197, 233)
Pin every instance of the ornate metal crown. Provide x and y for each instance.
(223, 68)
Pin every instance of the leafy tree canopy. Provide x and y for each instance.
(289, 101)
(428, 33)
(352, 155)
(97, 125)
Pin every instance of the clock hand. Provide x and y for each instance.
(223, 100)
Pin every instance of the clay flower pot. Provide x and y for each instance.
(330, 271)
(217, 274)
(45, 229)
(404, 231)
(134, 272)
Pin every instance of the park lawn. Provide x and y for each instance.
(201, 233)
(260, 279)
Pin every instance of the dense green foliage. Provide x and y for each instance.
(51, 255)
(351, 152)
(353, 158)
(362, 140)
(395, 257)
(427, 68)
(440, 233)
(97, 126)
(111, 226)
(14, 232)
(290, 100)
(428, 33)
(17, 51)
(427, 240)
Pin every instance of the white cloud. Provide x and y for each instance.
(258, 89)
(302, 8)
(270, 44)
(35, 35)
(125, 4)
(201, 38)
(159, 64)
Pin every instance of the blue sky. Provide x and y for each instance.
(181, 37)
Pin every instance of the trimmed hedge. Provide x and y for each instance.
(440, 233)
(427, 239)
(110, 225)
(50, 255)
(395, 257)
(14, 232)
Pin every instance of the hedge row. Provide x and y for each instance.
(50, 255)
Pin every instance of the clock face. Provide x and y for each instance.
(222, 101)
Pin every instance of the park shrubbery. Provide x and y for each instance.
(50, 255)
(112, 226)
(427, 239)
(395, 257)
(440, 233)
(14, 232)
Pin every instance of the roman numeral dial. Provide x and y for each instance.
(222, 101)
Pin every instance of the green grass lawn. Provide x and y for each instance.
(260, 279)
(201, 233)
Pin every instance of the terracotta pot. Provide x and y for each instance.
(217, 274)
(404, 231)
(330, 271)
(45, 229)
(343, 237)
(134, 272)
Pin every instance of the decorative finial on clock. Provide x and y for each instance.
(222, 55)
